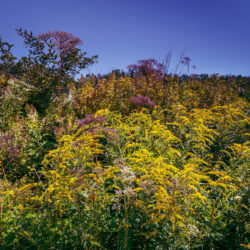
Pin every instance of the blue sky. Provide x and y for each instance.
(214, 33)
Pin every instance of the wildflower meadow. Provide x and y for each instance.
(143, 159)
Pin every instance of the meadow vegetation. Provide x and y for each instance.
(143, 160)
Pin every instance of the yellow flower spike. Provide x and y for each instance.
(20, 207)
(10, 192)
(102, 112)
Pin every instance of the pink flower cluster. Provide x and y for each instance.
(7, 144)
(146, 67)
(63, 41)
(142, 101)
(91, 119)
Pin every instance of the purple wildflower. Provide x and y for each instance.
(142, 101)
(63, 41)
(7, 144)
(146, 67)
(186, 61)
(92, 119)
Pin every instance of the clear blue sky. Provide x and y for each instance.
(215, 33)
